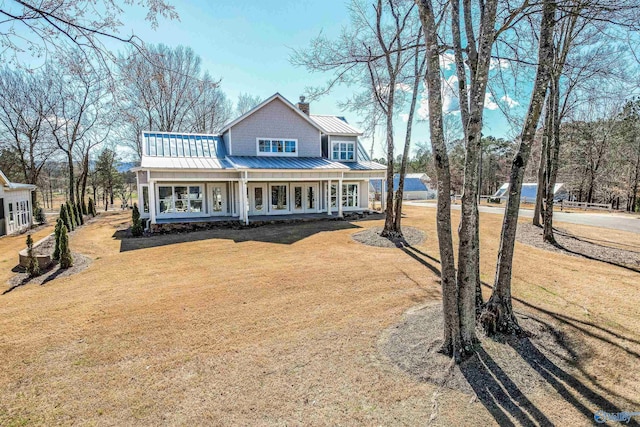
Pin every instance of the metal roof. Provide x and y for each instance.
(202, 163)
(311, 163)
(412, 182)
(14, 185)
(529, 189)
(177, 144)
(334, 125)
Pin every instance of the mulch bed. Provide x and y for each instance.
(80, 263)
(371, 236)
(569, 244)
(504, 368)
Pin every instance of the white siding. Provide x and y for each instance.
(274, 120)
(19, 217)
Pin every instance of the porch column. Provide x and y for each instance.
(152, 201)
(339, 197)
(383, 195)
(242, 204)
(244, 201)
(329, 197)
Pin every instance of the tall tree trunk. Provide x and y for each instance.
(418, 70)
(71, 177)
(542, 184)
(389, 229)
(85, 176)
(468, 249)
(452, 339)
(498, 313)
(552, 161)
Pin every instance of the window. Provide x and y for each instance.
(279, 197)
(344, 151)
(349, 195)
(277, 147)
(180, 199)
(165, 199)
(195, 199)
(145, 199)
(177, 145)
(11, 212)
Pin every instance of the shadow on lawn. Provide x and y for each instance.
(501, 396)
(281, 233)
(595, 258)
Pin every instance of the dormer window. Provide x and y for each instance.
(343, 151)
(277, 147)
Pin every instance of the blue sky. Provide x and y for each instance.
(248, 45)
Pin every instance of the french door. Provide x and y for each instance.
(305, 197)
(258, 199)
(218, 198)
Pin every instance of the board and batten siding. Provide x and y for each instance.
(15, 197)
(274, 120)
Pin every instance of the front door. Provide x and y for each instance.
(218, 198)
(258, 199)
(305, 198)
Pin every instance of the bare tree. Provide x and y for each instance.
(82, 24)
(373, 53)
(246, 102)
(81, 96)
(165, 89)
(498, 312)
(25, 101)
(452, 344)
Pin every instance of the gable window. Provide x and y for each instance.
(277, 147)
(343, 150)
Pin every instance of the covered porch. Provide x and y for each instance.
(252, 196)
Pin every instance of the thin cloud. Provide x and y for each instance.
(510, 102)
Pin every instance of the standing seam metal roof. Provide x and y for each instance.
(312, 163)
(334, 125)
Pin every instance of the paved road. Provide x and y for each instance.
(606, 220)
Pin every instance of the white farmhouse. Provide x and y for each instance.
(15, 206)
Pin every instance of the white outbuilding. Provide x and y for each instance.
(15, 206)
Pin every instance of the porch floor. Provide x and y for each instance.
(276, 218)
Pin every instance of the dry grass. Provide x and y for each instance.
(232, 328)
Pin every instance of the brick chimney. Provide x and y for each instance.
(303, 106)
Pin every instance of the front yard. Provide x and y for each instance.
(281, 325)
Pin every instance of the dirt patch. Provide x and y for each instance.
(503, 368)
(372, 237)
(80, 263)
(571, 244)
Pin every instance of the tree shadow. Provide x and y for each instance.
(593, 241)
(23, 282)
(566, 385)
(499, 394)
(279, 233)
(594, 258)
(420, 257)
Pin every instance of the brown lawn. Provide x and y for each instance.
(233, 327)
